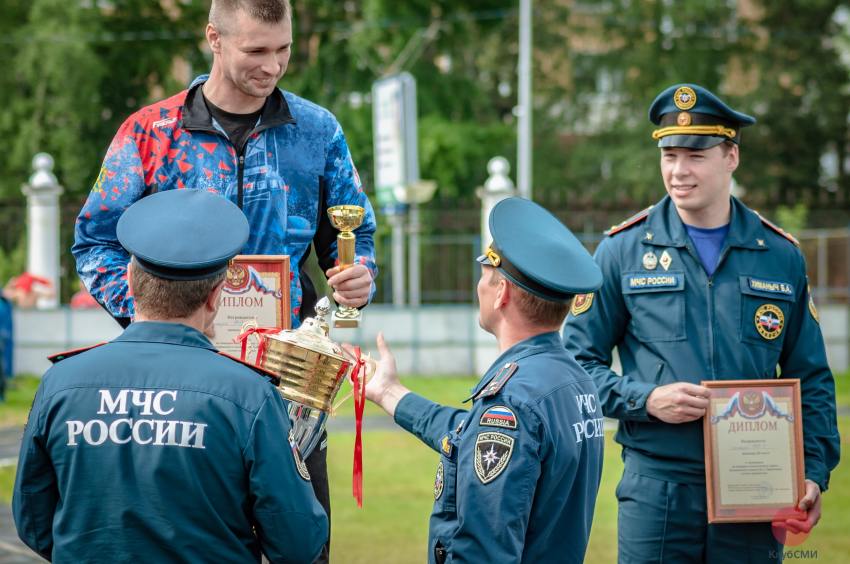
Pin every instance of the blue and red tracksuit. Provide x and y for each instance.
(294, 165)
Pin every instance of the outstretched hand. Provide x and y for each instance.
(383, 387)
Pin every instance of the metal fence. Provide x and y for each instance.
(449, 272)
(450, 242)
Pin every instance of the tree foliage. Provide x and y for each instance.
(75, 69)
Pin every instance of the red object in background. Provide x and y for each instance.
(83, 300)
(26, 281)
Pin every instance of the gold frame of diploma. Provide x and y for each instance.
(753, 450)
(255, 294)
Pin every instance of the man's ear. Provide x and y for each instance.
(211, 304)
(213, 38)
(503, 294)
(732, 158)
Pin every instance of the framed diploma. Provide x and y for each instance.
(753, 450)
(256, 292)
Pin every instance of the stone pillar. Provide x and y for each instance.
(42, 194)
(497, 187)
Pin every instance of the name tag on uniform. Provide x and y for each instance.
(643, 282)
(770, 286)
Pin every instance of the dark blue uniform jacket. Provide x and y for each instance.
(680, 325)
(155, 448)
(519, 472)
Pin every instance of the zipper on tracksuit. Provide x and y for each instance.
(240, 157)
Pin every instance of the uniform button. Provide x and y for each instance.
(631, 403)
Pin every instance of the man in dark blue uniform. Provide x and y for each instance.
(698, 287)
(519, 471)
(154, 447)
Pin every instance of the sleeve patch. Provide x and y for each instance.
(492, 454)
(499, 416)
(812, 309)
(581, 303)
(300, 465)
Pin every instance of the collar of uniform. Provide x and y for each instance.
(163, 332)
(196, 115)
(664, 227)
(746, 230)
(532, 345)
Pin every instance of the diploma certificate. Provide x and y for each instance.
(753, 450)
(256, 293)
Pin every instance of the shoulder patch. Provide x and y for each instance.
(275, 379)
(58, 357)
(498, 416)
(498, 381)
(581, 303)
(492, 454)
(634, 220)
(779, 230)
(300, 465)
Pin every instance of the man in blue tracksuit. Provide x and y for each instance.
(698, 287)
(282, 159)
(154, 447)
(518, 471)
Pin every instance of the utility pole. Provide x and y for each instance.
(524, 109)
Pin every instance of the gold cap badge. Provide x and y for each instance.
(685, 98)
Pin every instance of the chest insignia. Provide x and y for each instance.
(492, 454)
(650, 261)
(666, 260)
(438, 481)
(300, 465)
(769, 321)
(581, 303)
(498, 416)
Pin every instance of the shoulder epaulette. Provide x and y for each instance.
(778, 230)
(258, 369)
(635, 219)
(58, 357)
(498, 381)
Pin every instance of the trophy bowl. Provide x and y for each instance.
(311, 369)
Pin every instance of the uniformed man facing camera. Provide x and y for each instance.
(154, 447)
(699, 287)
(518, 472)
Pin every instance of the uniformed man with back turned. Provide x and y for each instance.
(519, 471)
(154, 447)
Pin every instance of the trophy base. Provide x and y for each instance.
(345, 321)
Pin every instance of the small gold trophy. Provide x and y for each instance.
(346, 219)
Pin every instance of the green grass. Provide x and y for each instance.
(7, 482)
(399, 471)
(447, 390)
(20, 391)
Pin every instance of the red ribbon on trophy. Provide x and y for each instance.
(261, 348)
(358, 382)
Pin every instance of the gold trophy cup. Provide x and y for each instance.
(311, 369)
(346, 219)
